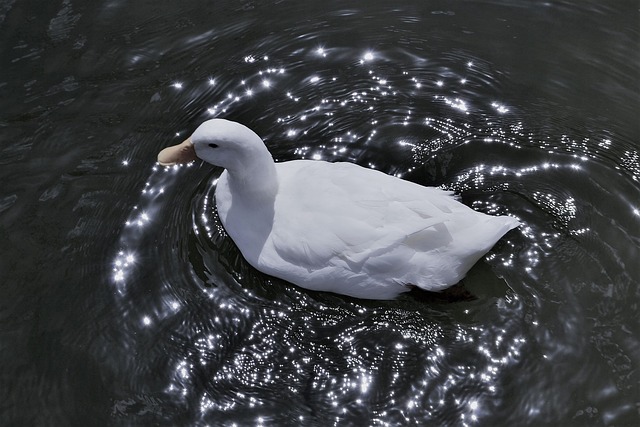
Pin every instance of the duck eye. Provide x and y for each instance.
(212, 145)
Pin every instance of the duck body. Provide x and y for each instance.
(339, 227)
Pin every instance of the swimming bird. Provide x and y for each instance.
(337, 227)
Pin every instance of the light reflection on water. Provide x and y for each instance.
(149, 316)
(239, 347)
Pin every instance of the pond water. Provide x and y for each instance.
(124, 302)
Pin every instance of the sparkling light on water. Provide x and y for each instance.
(340, 355)
(368, 56)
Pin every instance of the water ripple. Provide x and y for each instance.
(235, 346)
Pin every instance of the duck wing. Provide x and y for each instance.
(343, 214)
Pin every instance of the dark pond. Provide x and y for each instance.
(123, 302)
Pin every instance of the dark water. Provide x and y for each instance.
(123, 302)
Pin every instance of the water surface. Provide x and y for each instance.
(124, 302)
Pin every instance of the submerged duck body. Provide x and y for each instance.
(338, 227)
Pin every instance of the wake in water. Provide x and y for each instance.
(227, 338)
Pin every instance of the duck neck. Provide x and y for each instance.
(255, 183)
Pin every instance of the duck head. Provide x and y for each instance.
(219, 142)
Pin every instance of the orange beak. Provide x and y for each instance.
(177, 154)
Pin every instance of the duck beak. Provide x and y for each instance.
(178, 154)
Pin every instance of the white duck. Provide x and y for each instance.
(337, 227)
